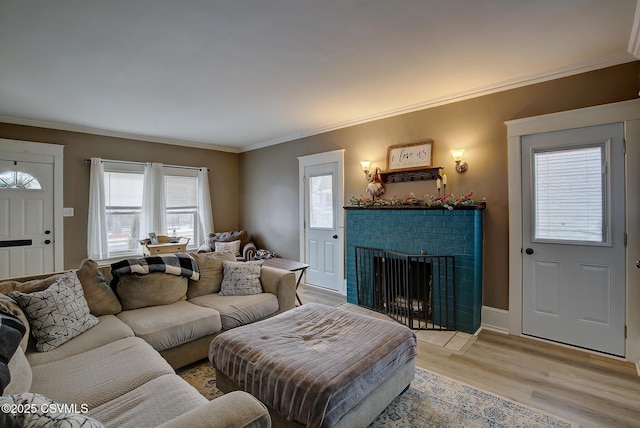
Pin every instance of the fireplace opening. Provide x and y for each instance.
(416, 290)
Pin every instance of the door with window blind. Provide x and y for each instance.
(573, 237)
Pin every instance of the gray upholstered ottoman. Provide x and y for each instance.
(317, 366)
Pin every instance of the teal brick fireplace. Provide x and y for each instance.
(435, 231)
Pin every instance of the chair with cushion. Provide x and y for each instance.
(238, 242)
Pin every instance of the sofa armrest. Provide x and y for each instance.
(235, 409)
(249, 251)
(282, 284)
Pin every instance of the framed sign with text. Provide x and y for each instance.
(409, 156)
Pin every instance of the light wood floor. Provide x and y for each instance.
(592, 390)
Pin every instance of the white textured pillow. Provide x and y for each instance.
(40, 411)
(229, 246)
(241, 278)
(58, 313)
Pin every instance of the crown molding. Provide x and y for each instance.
(570, 70)
(634, 39)
(436, 102)
(115, 134)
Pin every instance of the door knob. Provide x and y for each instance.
(335, 236)
(529, 251)
(47, 241)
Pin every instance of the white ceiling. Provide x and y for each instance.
(243, 74)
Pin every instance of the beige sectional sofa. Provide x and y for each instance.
(121, 371)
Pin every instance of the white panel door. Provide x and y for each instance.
(321, 226)
(573, 237)
(26, 218)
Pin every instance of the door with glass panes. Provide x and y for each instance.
(573, 237)
(322, 250)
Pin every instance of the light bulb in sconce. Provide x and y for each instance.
(461, 166)
(366, 168)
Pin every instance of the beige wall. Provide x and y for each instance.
(223, 176)
(258, 190)
(268, 193)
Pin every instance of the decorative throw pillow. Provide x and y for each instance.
(40, 411)
(233, 246)
(210, 265)
(153, 289)
(57, 314)
(241, 278)
(100, 296)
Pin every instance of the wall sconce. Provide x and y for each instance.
(461, 166)
(366, 168)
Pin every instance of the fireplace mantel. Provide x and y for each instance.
(480, 207)
(431, 230)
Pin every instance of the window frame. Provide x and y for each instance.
(185, 172)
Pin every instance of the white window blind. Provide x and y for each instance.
(569, 195)
(182, 205)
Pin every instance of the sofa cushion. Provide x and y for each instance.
(108, 330)
(101, 374)
(241, 278)
(210, 265)
(153, 289)
(236, 311)
(40, 413)
(100, 296)
(233, 246)
(151, 404)
(58, 313)
(164, 327)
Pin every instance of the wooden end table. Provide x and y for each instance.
(291, 266)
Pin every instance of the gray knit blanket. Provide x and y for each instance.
(180, 264)
(313, 363)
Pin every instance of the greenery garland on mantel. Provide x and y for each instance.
(448, 201)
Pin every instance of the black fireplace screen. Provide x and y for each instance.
(416, 290)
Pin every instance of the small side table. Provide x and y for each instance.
(291, 266)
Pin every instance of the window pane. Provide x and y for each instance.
(123, 200)
(182, 223)
(182, 206)
(18, 180)
(321, 202)
(122, 229)
(568, 195)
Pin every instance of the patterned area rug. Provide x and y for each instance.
(432, 400)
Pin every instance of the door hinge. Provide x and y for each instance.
(625, 331)
(624, 146)
(625, 239)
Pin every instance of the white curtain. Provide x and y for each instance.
(204, 204)
(97, 244)
(154, 207)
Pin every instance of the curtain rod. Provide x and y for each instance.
(88, 160)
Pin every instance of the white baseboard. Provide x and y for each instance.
(638, 367)
(495, 319)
